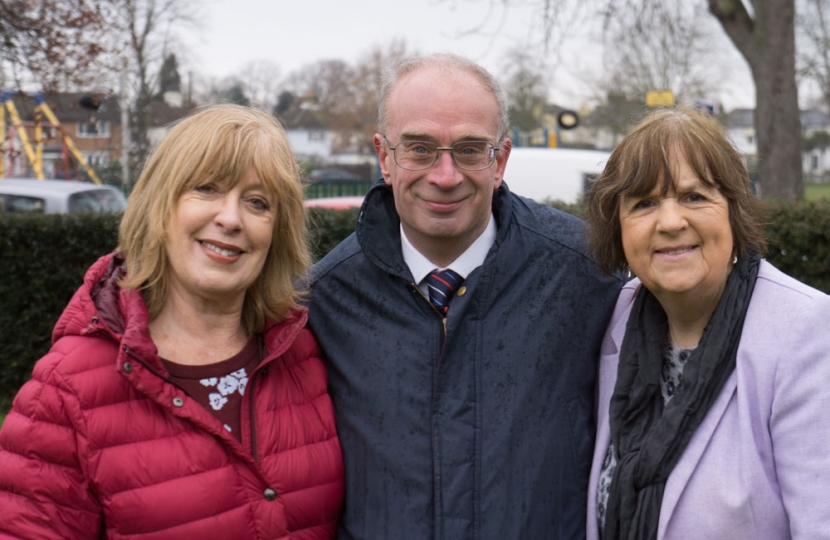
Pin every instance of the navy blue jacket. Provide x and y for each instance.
(485, 432)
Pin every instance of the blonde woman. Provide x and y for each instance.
(183, 396)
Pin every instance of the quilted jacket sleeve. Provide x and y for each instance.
(44, 493)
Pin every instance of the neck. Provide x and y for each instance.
(688, 317)
(443, 251)
(203, 334)
(439, 253)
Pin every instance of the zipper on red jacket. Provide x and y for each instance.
(252, 385)
(251, 415)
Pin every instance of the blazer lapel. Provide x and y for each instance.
(679, 477)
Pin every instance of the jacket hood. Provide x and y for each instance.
(99, 306)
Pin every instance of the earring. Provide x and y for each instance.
(735, 260)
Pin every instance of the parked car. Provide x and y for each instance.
(58, 197)
(335, 203)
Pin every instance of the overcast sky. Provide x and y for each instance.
(298, 32)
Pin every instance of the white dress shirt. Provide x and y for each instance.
(472, 258)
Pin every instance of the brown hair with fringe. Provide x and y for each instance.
(647, 156)
(216, 144)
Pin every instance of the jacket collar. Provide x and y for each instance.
(378, 227)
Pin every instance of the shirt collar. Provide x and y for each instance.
(472, 258)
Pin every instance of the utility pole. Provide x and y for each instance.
(126, 144)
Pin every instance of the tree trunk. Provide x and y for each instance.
(767, 42)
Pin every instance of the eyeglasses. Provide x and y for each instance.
(421, 155)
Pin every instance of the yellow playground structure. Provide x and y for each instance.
(18, 127)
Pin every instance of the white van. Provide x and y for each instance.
(556, 174)
(58, 197)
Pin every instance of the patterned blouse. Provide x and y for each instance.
(671, 377)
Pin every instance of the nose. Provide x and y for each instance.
(671, 217)
(228, 213)
(444, 173)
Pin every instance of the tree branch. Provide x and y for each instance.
(738, 25)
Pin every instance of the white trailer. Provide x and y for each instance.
(553, 173)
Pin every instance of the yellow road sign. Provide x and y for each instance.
(660, 98)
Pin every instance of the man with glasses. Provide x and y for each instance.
(462, 326)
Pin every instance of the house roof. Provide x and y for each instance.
(745, 118)
(162, 114)
(66, 107)
(302, 118)
(813, 119)
(739, 118)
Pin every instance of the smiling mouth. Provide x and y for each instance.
(221, 251)
(442, 205)
(676, 251)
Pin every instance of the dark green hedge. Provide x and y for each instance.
(798, 239)
(328, 227)
(43, 260)
(42, 263)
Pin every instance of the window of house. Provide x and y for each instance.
(814, 162)
(97, 160)
(96, 128)
(316, 136)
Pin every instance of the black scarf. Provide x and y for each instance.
(649, 440)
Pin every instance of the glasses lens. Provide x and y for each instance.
(473, 155)
(416, 155)
(467, 155)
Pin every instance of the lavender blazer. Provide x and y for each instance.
(758, 467)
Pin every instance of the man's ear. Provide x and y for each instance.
(501, 160)
(382, 151)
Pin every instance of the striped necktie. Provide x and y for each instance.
(442, 285)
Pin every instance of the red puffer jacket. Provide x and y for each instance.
(100, 445)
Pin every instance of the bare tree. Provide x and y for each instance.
(366, 85)
(260, 81)
(147, 32)
(326, 84)
(763, 31)
(813, 21)
(346, 96)
(54, 41)
(526, 88)
(662, 47)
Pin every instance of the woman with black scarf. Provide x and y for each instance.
(714, 385)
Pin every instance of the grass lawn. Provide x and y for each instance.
(814, 192)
